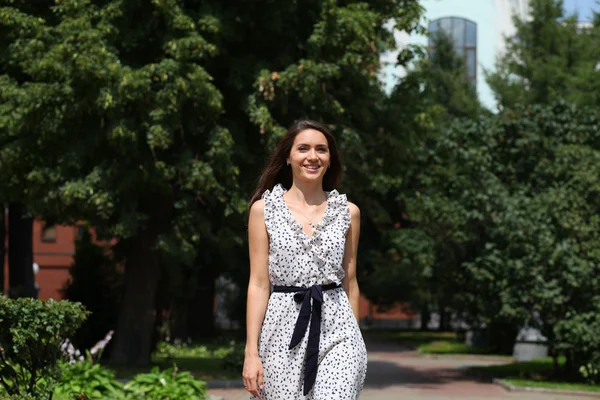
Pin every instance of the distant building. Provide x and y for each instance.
(53, 251)
(478, 28)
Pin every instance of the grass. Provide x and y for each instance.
(450, 347)
(536, 373)
(553, 385)
(203, 361)
(429, 342)
(412, 338)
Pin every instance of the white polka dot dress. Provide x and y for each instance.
(297, 259)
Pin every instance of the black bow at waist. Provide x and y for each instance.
(308, 313)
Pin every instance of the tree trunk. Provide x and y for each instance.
(193, 310)
(201, 318)
(444, 320)
(134, 333)
(2, 246)
(425, 317)
(20, 252)
(136, 320)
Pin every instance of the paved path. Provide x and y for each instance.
(399, 373)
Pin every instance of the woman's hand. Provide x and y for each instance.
(253, 374)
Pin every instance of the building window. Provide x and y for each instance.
(80, 231)
(49, 233)
(463, 34)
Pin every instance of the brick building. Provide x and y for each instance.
(54, 249)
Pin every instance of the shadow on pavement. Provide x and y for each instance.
(383, 374)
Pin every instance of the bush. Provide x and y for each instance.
(31, 335)
(87, 379)
(166, 385)
(577, 337)
(96, 283)
(171, 351)
(234, 361)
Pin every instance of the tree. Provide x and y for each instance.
(145, 103)
(517, 193)
(442, 81)
(20, 252)
(142, 156)
(96, 282)
(551, 56)
(334, 80)
(435, 91)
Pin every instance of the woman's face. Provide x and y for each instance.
(309, 157)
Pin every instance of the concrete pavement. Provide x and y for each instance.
(395, 373)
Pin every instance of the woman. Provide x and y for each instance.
(303, 340)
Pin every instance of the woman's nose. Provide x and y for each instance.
(312, 154)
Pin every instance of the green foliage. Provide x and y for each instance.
(96, 283)
(154, 166)
(551, 56)
(537, 373)
(577, 335)
(554, 385)
(230, 356)
(435, 91)
(446, 347)
(89, 379)
(335, 79)
(165, 385)
(162, 92)
(440, 82)
(234, 360)
(168, 350)
(31, 335)
(510, 201)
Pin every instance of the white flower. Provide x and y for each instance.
(162, 380)
(81, 358)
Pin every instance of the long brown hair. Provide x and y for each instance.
(277, 171)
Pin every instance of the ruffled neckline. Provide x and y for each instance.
(334, 202)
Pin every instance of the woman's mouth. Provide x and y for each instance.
(312, 169)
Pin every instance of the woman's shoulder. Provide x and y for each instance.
(258, 208)
(354, 210)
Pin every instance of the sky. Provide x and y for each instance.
(584, 7)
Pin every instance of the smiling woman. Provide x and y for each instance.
(303, 239)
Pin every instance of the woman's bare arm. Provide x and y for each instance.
(258, 285)
(258, 294)
(350, 283)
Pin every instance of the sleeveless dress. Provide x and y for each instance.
(297, 259)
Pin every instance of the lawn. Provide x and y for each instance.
(536, 373)
(207, 361)
(428, 342)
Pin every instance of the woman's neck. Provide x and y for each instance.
(307, 193)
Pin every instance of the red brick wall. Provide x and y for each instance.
(396, 312)
(53, 257)
(56, 257)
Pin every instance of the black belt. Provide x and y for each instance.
(303, 295)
